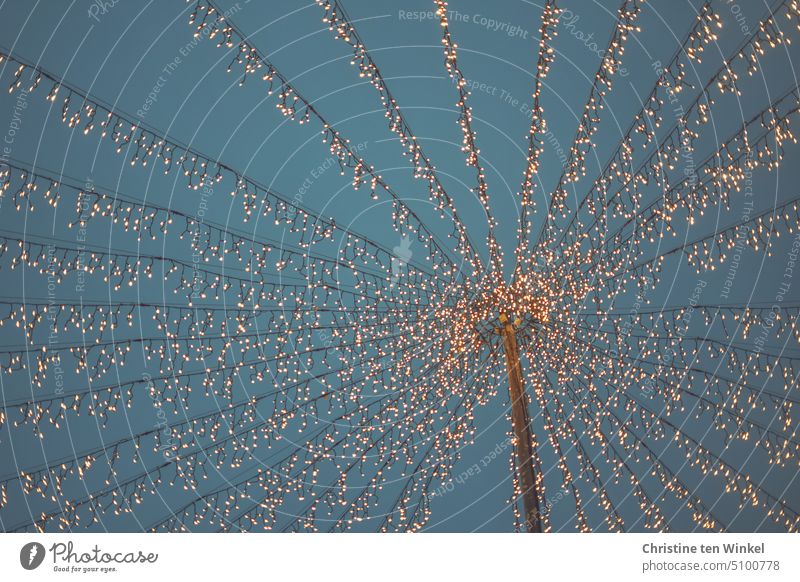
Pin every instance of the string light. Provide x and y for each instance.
(335, 388)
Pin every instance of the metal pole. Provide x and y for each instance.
(520, 422)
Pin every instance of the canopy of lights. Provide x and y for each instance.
(282, 369)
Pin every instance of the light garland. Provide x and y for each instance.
(335, 390)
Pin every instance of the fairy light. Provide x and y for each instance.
(337, 20)
(469, 143)
(363, 382)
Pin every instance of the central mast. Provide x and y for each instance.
(521, 425)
